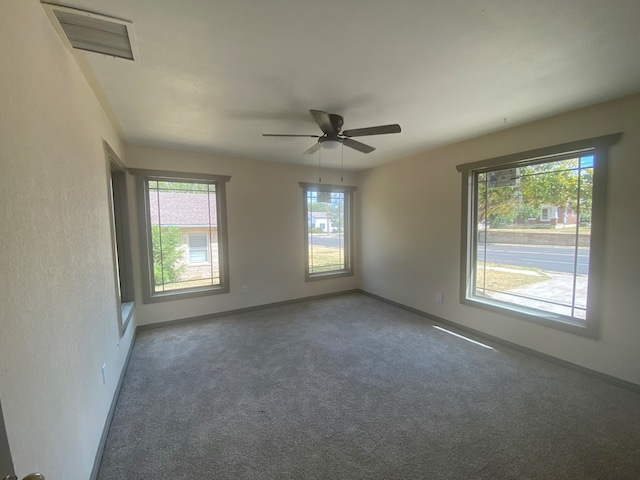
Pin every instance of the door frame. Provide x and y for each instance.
(6, 462)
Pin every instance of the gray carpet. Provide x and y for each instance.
(352, 388)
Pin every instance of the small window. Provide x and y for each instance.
(198, 248)
(521, 257)
(328, 218)
(183, 217)
(544, 214)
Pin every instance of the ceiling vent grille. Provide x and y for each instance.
(92, 32)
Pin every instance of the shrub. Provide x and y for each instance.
(168, 265)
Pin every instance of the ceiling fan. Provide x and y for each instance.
(331, 124)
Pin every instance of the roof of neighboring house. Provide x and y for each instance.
(181, 209)
(318, 215)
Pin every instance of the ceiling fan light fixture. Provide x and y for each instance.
(330, 144)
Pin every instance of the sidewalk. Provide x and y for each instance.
(558, 288)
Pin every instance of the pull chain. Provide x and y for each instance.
(342, 163)
(320, 164)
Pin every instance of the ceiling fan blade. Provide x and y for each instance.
(337, 121)
(313, 149)
(288, 135)
(323, 119)
(379, 130)
(361, 147)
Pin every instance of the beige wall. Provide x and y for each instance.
(58, 316)
(410, 235)
(266, 232)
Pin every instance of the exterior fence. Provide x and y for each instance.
(533, 237)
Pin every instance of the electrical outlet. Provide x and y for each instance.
(245, 290)
(439, 298)
(104, 373)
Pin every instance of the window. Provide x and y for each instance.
(521, 256)
(198, 248)
(544, 214)
(123, 269)
(328, 217)
(184, 240)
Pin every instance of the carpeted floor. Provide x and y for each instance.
(352, 388)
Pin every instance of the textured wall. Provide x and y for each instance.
(58, 319)
(266, 225)
(410, 230)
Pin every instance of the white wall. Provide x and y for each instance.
(58, 320)
(410, 235)
(266, 232)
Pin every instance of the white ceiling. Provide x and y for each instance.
(213, 75)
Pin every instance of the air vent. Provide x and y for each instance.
(93, 32)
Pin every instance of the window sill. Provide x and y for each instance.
(185, 294)
(539, 317)
(126, 312)
(325, 275)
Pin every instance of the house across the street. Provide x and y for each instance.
(320, 221)
(195, 214)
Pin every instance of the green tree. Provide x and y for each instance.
(168, 265)
(331, 208)
(586, 195)
(185, 187)
(553, 183)
(496, 205)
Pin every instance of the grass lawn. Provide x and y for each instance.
(505, 278)
(325, 259)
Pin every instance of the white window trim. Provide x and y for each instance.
(348, 233)
(598, 146)
(544, 214)
(142, 177)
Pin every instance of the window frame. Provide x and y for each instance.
(120, 237)
(599, 147)
(143, 176)
(348, 192)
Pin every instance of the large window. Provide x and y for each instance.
(183, 217)
(122, 266)
(328, 216)
(533, 233)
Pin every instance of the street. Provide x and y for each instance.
(552, 259)
(548, 258)
(326, 240)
